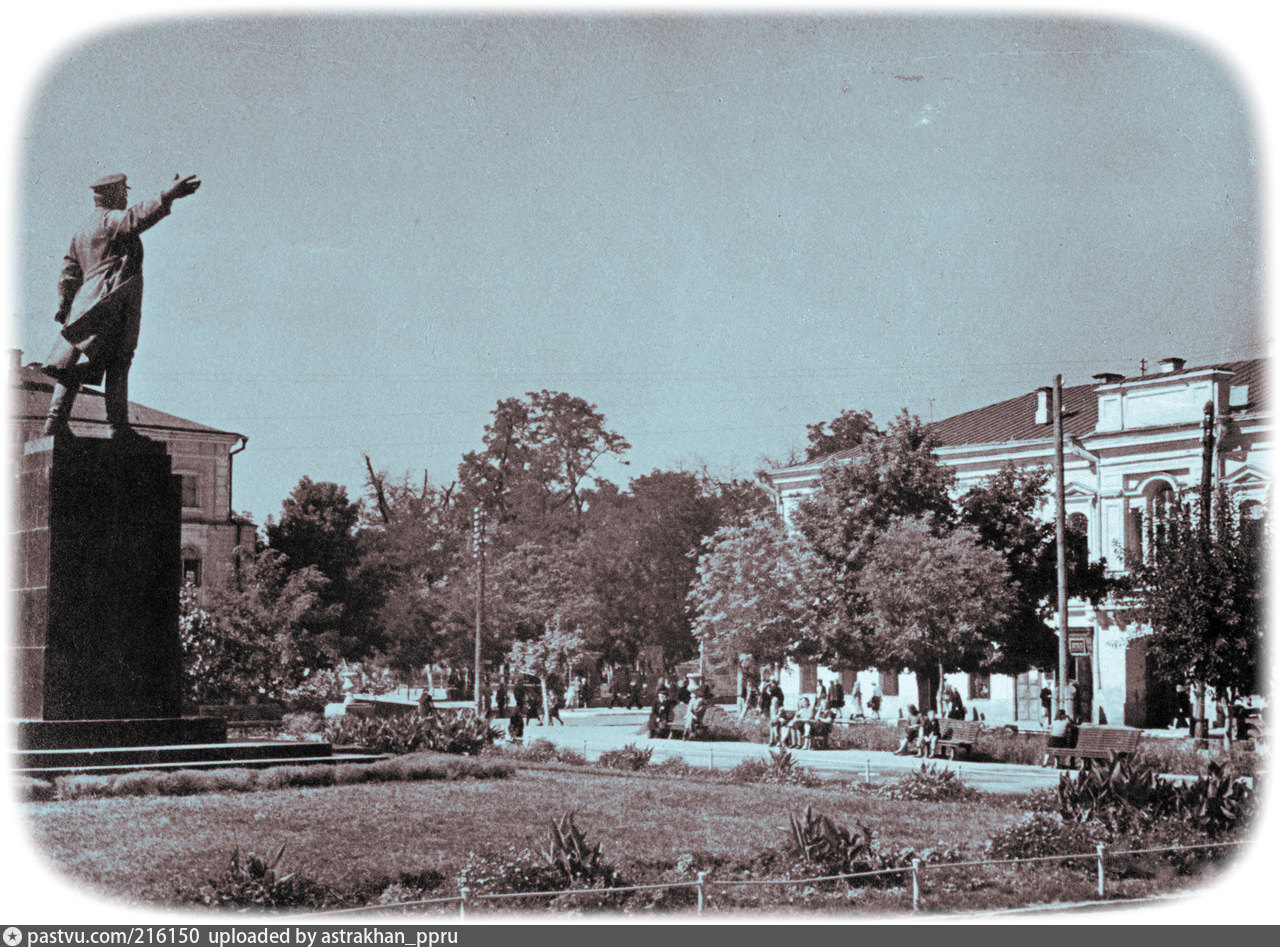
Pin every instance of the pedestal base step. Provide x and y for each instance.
(203, 756)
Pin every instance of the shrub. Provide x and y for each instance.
(232, 780)
(750, 771)
(142, 783)
(445, 732)
(836, 849)
(877, 735)
(250, 881)
(508, 873)
(629, 757)
(386, 771)
(931, 784)
(1040, 834)
(779, 767)
(78, 786)
(539, 751)
(1180, 757)
(348, 774)
(301, 725)
(673, 766)
(1129, 798)
(185, 782)
(1003, 745)
(278, 777)
(35, 790)
(570, 757)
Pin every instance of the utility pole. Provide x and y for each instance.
(477, 543)
(1060, 531)
(1206, 537)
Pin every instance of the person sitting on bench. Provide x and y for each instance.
(819, 726)
(777, 720)
(660, 714)
(930, 734)
(912, 732)
(1062, 733)
(799, 723)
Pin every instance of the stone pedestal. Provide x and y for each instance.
(99, 571)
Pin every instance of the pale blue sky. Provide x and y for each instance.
(718, 230)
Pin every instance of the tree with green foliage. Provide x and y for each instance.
(552, 654)
(929, 599)
(760, 590)
(1200, 589)
(408, 545)
(258, 637)
(539, 458)
(317, 530)
(850, 429)
(1004, 513)
(888, 477)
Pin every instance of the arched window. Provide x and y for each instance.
(192, 567)
(1079, 523)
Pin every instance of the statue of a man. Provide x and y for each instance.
(100, 300)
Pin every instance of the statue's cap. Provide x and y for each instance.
(107, 181)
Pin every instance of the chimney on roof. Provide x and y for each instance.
(1168, 365)
(15, 360)
(1108, 378)
(1044, 396)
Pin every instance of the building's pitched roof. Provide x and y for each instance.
(1013, 420)
(31, 389)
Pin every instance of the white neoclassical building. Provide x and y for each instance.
(1132, 443)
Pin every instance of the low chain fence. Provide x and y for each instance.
(703, 882)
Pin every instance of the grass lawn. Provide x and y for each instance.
(362, 837)
(148, 848)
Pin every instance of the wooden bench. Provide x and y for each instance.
(958, 737)
(680, 724)
(246, 716)
(1098, 743)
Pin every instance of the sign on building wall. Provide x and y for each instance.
(1080, 642)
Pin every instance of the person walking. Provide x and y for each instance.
(555, 702)
(855, 699)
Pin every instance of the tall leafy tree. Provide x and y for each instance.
(929, 599)
(539, 460)
(760, 590)
(317, 530)
(408, 546)
(1201, 589)
(259, 636)
(849, 429)
(889, 477)
(1004, 512)
(551, 654)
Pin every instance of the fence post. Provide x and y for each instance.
(702, 894)
(1102, 873)
(868, 770)
(915, 884)
(712, 751)
(462, 905)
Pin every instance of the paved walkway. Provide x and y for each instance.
(593, 732)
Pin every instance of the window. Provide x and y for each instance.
(889, 683)
(1079, 523)
(808, 677)
(191, 571)
(979, 686)
(190, 490)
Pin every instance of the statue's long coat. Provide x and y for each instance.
(100, 290)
